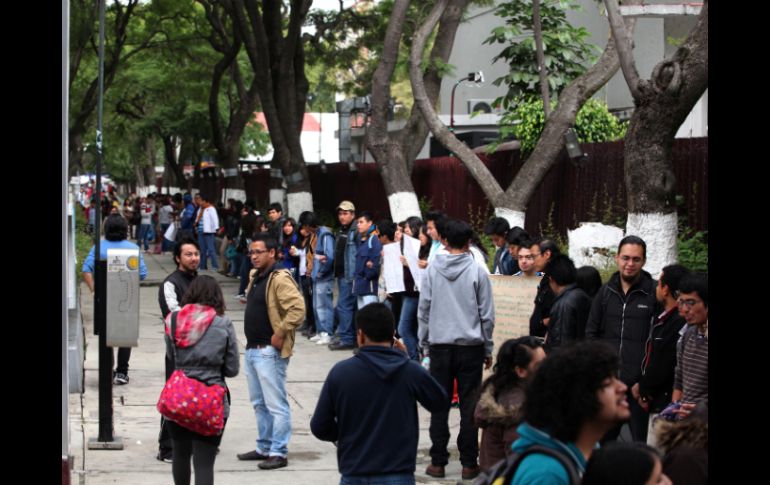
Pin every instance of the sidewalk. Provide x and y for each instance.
(137, 421)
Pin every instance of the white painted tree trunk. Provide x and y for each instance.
(514, 218)
(278, 195)
(659, 232)
(403, 205)
(237, 194)
(299, 202)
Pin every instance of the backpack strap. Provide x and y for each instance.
(565, 461)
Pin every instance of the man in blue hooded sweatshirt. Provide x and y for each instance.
(368, 404)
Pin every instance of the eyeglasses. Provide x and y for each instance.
(527, 256)
(257, 251)
(687, 303)
(536, 255)
(635, 259)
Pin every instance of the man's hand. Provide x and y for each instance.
(369, 264)
(635, 390)
(404, 261)
(277, 341)
(422, 263)
(487, 362)
(398, 344)
(546, 321)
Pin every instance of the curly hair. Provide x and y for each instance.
(513, 353)
(563, 392)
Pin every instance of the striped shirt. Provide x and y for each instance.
(692, 366)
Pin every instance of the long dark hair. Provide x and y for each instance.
(204, 290)
(513, 353)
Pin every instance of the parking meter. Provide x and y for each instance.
(122, 297)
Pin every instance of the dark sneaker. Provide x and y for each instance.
(252, 455)
(273, 462)
(436, 471)
(469, 473)
(164, 456)
(341, 346)
(120, 379)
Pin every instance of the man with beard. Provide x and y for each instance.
(187, 256)
(621, 314)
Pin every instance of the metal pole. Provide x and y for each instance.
(452, 106)
(105, 439)
(541, 57)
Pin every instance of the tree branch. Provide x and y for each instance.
(483, 176)
(624, 43)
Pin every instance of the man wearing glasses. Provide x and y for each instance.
(542, 252)
(274, 309)
(621, 314)
(691, 383)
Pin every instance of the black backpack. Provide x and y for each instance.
(502, 472)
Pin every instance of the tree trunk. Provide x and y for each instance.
(512, 203)
(395, 155)
(662, 105)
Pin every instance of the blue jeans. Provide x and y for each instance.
(392, 479)
(144, 232)
(407, 325)
(323, 306)
(165, 244)
(364, 300)
(346, 306)
(206, 241)
(266, 375)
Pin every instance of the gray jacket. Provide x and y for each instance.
(456, 305)
(207, 348)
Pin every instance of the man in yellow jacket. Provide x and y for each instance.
(274, 309)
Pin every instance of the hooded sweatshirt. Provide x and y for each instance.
(456, 305)
(538, 468)
(368, 406)
(206, 345)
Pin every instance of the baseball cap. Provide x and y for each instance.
(346, 205)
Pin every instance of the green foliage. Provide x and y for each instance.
(594, 123)
(83, 240)
(566, 52)
(477, 220)
(426, 205)
(551, 232)
(693, 250)
(692, 246)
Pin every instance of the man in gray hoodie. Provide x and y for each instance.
(456, 318)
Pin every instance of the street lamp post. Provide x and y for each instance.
(476, 77)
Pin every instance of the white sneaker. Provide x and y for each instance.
(324, 340)
(317, 337)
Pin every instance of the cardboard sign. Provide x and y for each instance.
(514, 302)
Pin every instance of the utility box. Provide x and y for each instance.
(122, 297)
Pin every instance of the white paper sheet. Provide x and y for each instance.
(392, 269)
(411, 250)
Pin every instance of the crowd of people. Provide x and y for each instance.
(598, 355)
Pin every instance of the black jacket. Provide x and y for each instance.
(543, 303)
(568, 317)
(660, 360)
(368, 405)
(172, 290)
(624, 321)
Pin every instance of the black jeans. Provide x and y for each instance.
(124, 354)
(464, 363)
(307, 293)
(164, 438)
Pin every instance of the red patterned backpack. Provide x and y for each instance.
(190, 403)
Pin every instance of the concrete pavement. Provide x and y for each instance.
(137, 421)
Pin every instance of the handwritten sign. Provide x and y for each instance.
(514, 298)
